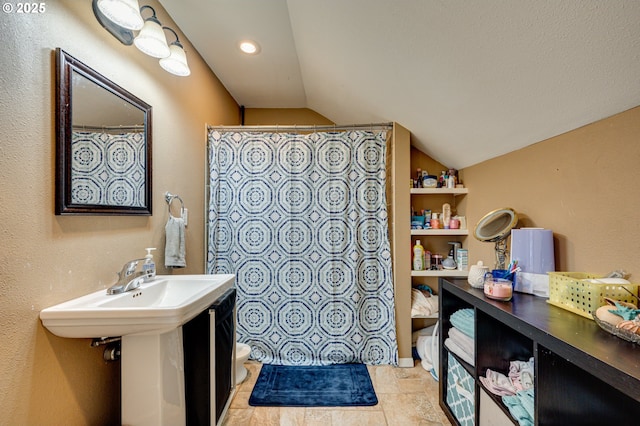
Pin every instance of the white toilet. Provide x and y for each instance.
(242, 355)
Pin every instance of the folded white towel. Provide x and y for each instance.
(421, 305)
(174, 252)
(453, 347)
(463, 341)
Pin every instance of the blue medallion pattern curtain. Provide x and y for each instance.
(302, 222)
(108, 169)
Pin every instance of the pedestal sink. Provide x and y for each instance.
(150, 321)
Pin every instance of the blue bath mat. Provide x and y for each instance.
(340, 385)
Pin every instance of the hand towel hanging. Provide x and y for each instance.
(174, 252)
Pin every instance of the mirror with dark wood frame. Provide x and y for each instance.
(103, 145)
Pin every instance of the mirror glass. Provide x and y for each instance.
(103, 144)
(496, 225)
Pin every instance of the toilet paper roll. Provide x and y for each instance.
(533, 249)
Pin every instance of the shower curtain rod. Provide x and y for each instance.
(107, 128)
(305, 128)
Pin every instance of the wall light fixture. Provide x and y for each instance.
(125, 13)
(151, 40)
(176, 62)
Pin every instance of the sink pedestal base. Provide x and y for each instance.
(152, 379)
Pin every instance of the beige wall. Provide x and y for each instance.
(583, 185)
(46, 259)
(400, 224)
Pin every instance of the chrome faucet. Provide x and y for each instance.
(130, 277)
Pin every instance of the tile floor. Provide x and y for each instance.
(406, 397)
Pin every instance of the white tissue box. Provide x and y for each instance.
(537, 284)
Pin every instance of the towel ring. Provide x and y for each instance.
(169, 197)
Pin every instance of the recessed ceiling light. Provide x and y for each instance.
(249, 47)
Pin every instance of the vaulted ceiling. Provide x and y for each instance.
(471, 80)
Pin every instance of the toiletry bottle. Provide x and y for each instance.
(435, 222)
(451, 182)
(436, 262)
(454, 173)
(445, 217)
(149, 266)
(425, 178)
(418, 257)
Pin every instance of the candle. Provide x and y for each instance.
(499, 290)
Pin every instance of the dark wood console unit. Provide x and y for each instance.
(583, 375)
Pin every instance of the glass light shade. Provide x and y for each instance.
(151, 40)
(125, 13)
(176, 63)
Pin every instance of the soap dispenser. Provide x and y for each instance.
(149, 266)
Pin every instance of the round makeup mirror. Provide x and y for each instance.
(495, 227)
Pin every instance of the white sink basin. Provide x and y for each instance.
(163, 304)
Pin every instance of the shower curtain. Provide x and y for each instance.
(108, 168)
(302, 222)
